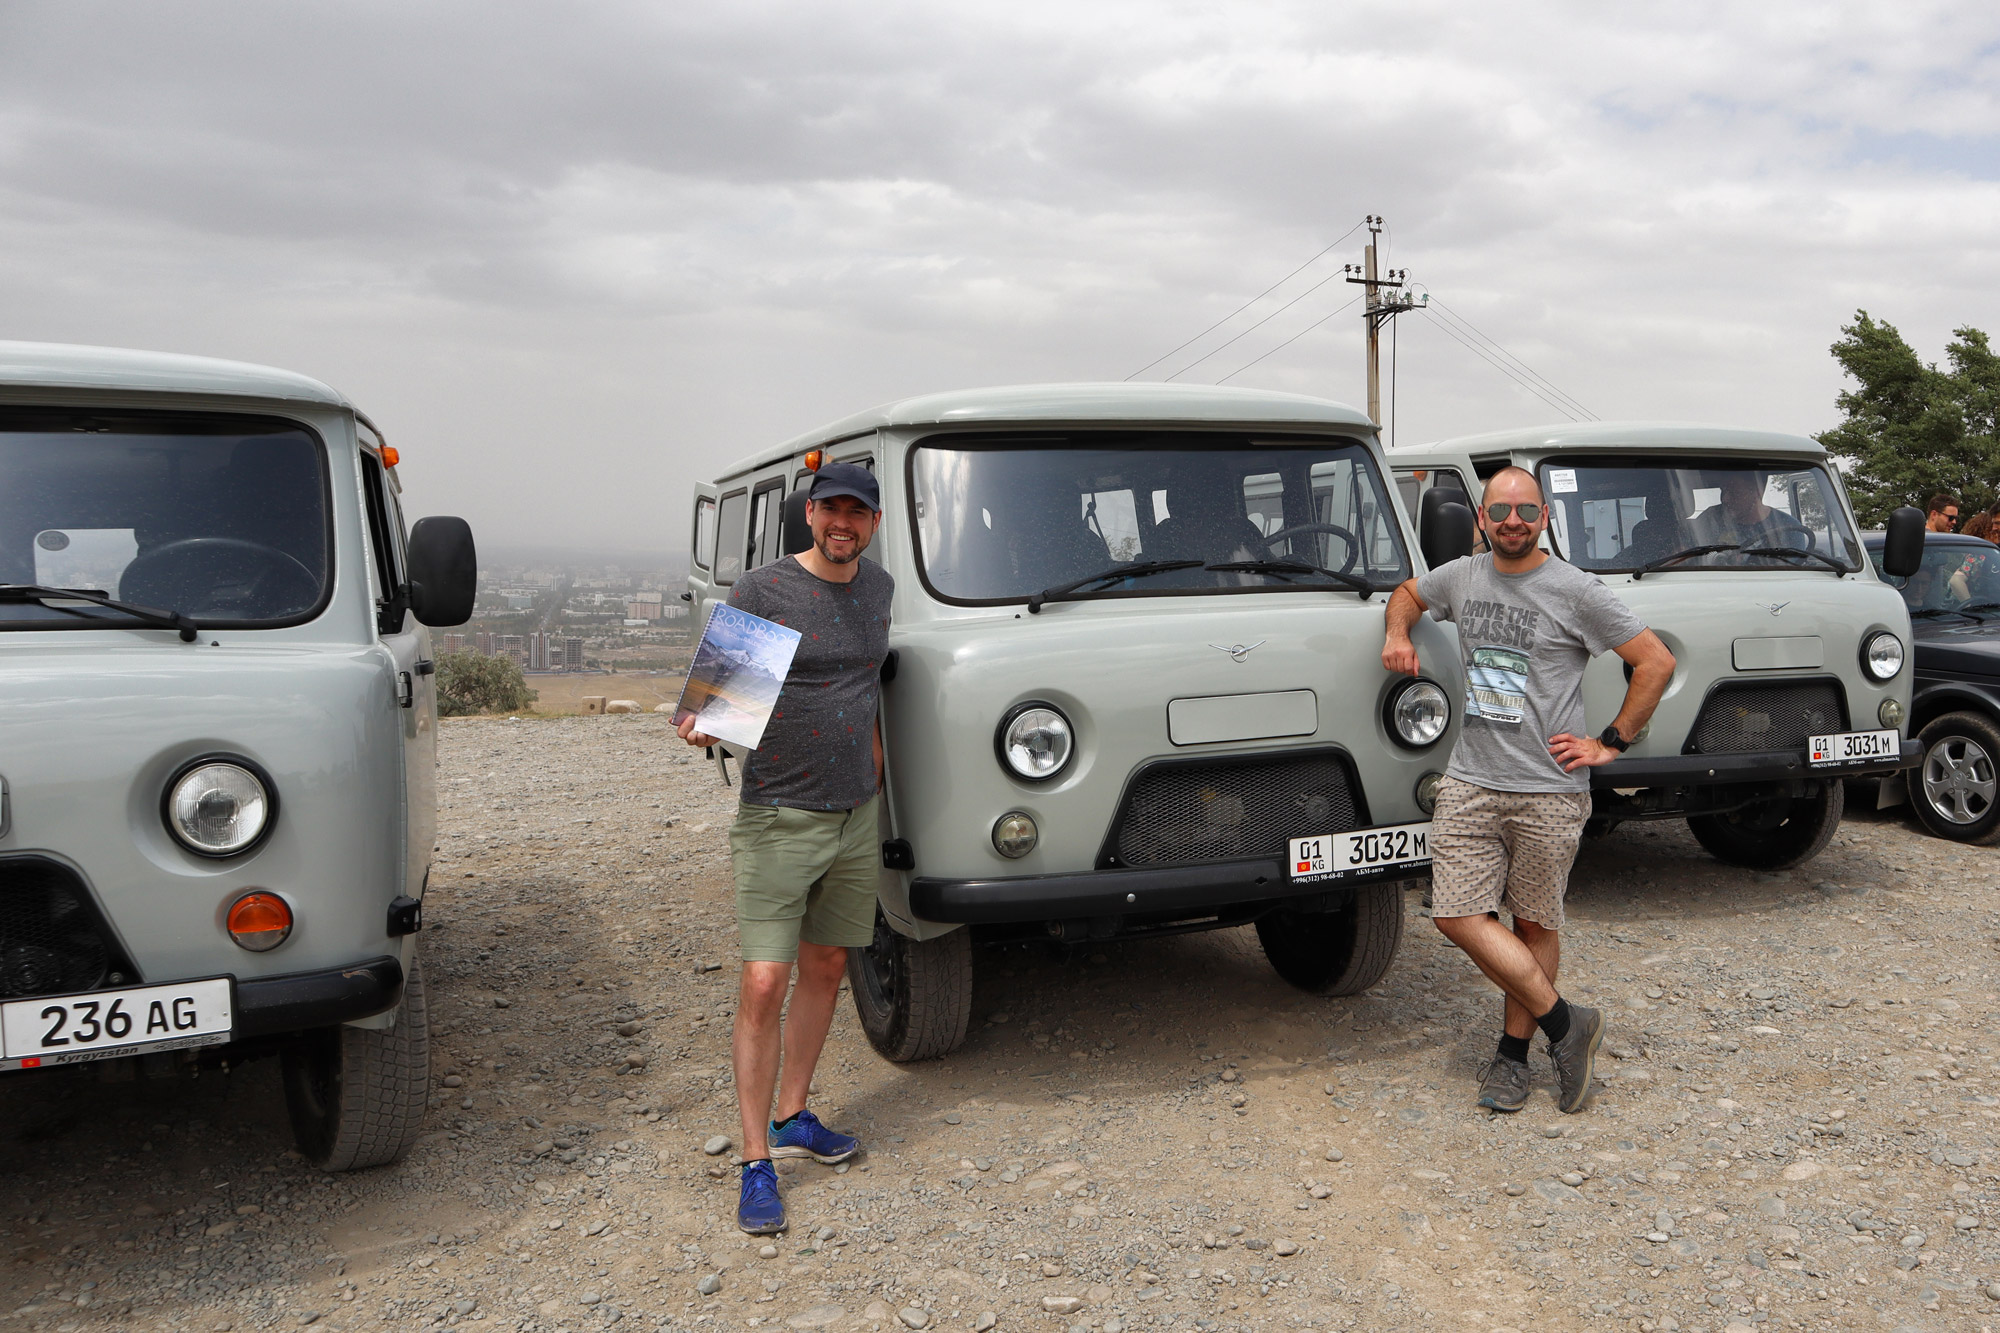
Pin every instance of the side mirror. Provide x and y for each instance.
(1444, 528)
(796, 534)
(1903, 542)
(444, 571)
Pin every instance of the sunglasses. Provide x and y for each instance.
(1529, 513)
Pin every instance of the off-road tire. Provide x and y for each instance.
(1968, 736)
(357, 1095)
(1776, 834)
(914, 997)
(1342, 952)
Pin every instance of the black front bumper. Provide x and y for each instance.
(1104, 893)
(1706, 770)
(301, 1000)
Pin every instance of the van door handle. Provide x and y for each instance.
(425, 666)
(406, 694)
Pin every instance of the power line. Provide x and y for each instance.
(1245, 306)
(1254, 327)
(1287, 342)
(1504, 369)
(1467, 325)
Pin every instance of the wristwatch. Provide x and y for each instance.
(1613, 739)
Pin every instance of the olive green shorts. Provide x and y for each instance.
(804, 875)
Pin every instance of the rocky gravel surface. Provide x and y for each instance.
(1796, 1127)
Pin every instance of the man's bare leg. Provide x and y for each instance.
(814, 995)
(1546, 946)
(754, 1049)
(1506, 960)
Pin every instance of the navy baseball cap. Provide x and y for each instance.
(846, 479)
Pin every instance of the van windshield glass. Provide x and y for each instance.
(1619, 515)
(1003, 520)
(221, 519)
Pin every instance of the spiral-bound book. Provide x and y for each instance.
(739, 666)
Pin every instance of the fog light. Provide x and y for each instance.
(1890, 713)
(1015, 835)
(1427, 792)
(260, 922)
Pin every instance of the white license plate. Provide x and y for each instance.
(65, 1029)
(1340, 855)
(1853, 747)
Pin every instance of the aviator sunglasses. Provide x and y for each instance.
(1529, 513)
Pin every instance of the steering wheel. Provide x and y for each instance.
(1331, 529)
(230, 576)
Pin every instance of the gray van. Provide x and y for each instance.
(1739, 549)
(1135, 685)
(217, 791)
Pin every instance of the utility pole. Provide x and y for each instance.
(1378, 310)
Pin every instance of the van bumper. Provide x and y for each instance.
(297, 1001)
(1706, 770)
(1105, 893)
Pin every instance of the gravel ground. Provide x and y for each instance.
(1796, 1129)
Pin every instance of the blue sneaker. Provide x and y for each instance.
(805, 1136)
(761, 1211)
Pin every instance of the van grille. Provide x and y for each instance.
(1180, 813)
(1741, 718)
(51, 939)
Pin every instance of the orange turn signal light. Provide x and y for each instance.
(389, 456)
(814, 457)
(260, 921)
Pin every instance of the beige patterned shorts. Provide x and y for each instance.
(1512, 849)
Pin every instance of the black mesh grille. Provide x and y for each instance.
(51, 941)
(1740, 718)
(1183, 814)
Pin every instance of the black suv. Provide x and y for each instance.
(1954, 602)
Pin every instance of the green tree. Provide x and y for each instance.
(1912, 429)
(470, 683)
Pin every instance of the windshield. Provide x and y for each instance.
(1618, 515)
(220, 518)
(1951, 577)
(999, 521)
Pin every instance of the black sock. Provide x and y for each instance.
(1514, 1048)
(1555, 1023)
(780, 1124)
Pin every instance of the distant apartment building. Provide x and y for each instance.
(572, 654)
(482, 643)
(538, 652)
(514, 646)
(647, 606)
(454, 643)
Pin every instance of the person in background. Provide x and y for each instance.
(1943, 515)
(1982, 525)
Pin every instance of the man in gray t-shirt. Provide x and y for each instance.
(1516, 792)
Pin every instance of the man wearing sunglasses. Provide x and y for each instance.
(1516, 793)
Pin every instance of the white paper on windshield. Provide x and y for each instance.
(1562, 480)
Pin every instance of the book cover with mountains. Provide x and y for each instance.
(739, 666)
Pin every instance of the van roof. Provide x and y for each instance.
(1636, 436)
(26, 365)
(1077, 404)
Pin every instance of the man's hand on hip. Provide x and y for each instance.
(1574, 752)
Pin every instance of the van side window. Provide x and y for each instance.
(385, 543)
(766, 513)
(732, 531)
(704, 533)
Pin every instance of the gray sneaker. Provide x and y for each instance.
(1575, 1055)
(1503, 1084)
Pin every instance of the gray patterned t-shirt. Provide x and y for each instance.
(818, 751)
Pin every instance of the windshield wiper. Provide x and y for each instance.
(1281, 568)
(1677, 556)
(49, 597)
(1926, 612)
(1826, 560)
(1980, 606)
(1140, 570)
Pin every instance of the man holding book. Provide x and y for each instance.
(804, 847)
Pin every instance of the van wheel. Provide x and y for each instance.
(1956, 789)
(1336, 953)
(914, 996)
(356, 1096)
(1773, 834)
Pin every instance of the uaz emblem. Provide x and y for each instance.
(1774, 607)
(1238, 651)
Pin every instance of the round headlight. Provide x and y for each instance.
(1419, 714)
(1882, 655)
(1015, 834)
(1035, 742)
(218, 808)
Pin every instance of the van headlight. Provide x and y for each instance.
(1035, 741)
(1882, 655)
(219, 807)
(1419, 712)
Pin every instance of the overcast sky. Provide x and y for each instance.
(572, 257)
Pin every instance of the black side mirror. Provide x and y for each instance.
(1444, 528)
(796, 534)
(444, 571)
(1903, 542)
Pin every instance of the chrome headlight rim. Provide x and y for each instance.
(254, 770)
(1001, 747)
(1882, 636)
(1393, 703)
